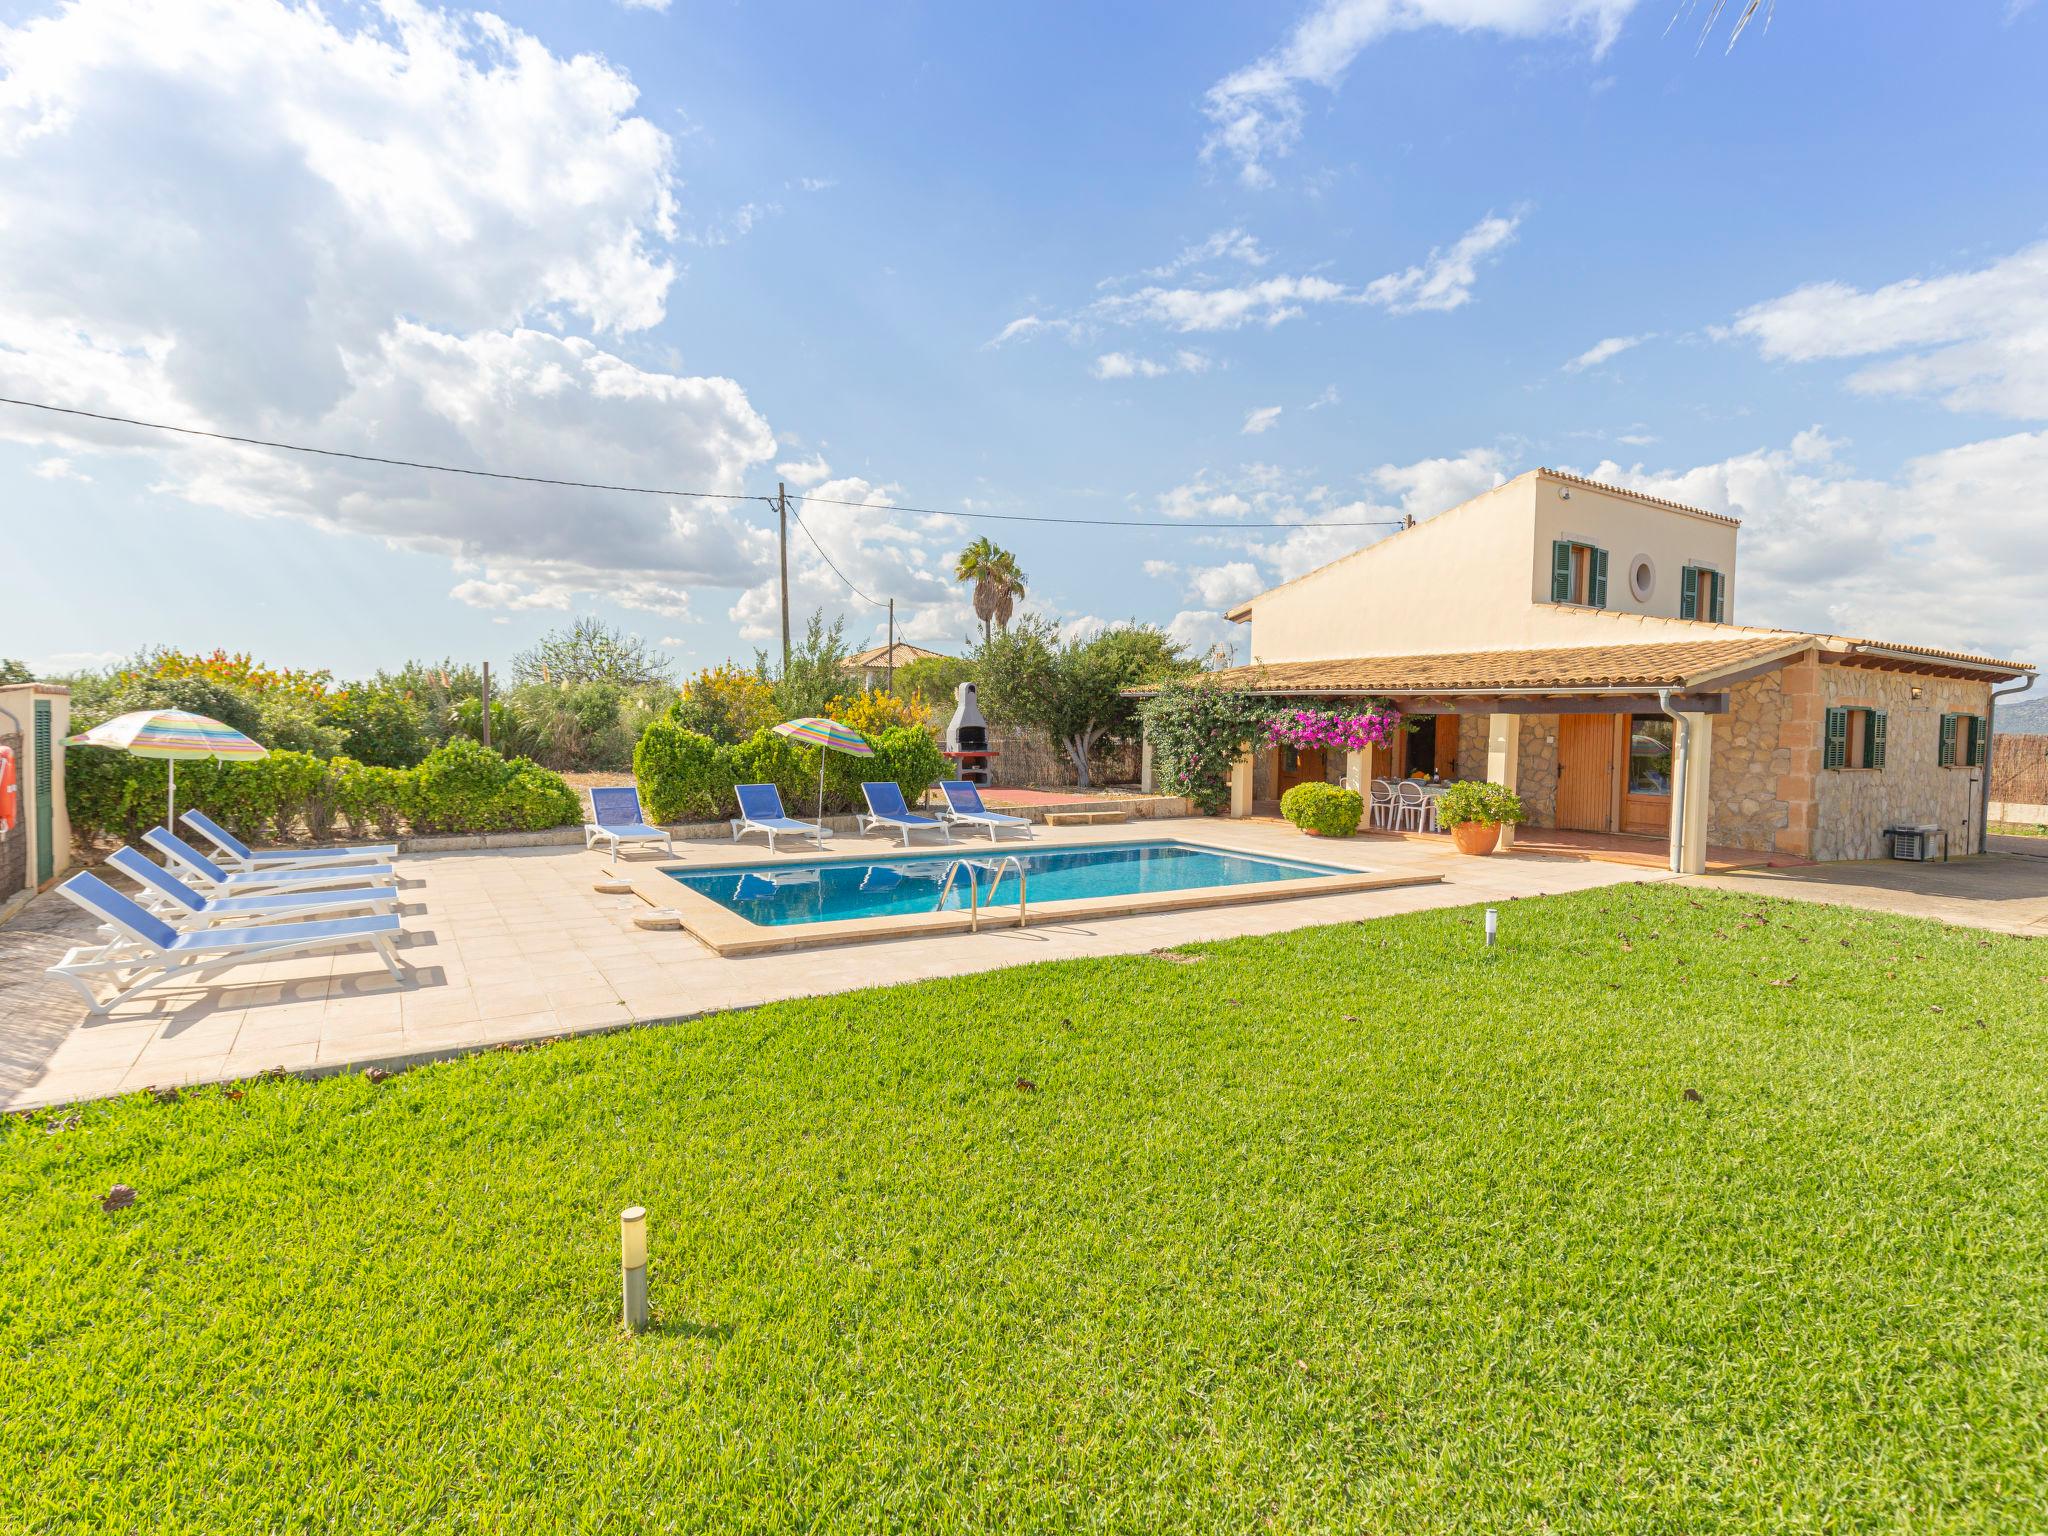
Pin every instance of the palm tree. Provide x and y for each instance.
(998, 582)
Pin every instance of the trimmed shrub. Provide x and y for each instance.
(380, 725)
(1471, 800)
(683, 774)
(1324, 809)
(907, 754)
(766, 758)
(371, 797)
(534, 799)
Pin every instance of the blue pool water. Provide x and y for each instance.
(830, 891)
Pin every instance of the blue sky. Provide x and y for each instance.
(1208, 265)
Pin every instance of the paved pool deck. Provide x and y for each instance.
(515, 945)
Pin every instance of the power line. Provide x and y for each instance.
(856, 591)
(649, 490)
(371, 458)
(1091, 522)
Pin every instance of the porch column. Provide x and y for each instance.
(1694, 814)
(1358, 771)
(1504, 760)
(1241, 786)
(1145, 761)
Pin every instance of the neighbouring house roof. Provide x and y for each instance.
(1679, 664)
(879, 655)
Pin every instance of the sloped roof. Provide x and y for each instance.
(878, 655)
(1670, 664)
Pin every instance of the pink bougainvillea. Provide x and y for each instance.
(1372, 727)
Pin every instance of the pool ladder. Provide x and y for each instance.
(974, 897)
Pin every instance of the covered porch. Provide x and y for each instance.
(1611, 742)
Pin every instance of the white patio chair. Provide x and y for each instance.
(1382, 803)
(1410, 805)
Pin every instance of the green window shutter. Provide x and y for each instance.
(1946, 756)
(1720, 591)
(1561, 571)
(1835, 746)
(1689, 593)
(1980, 741)
(1873, 740)
(1597, 561)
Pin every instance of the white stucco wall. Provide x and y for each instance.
(1477, 578)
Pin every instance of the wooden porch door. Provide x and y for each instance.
(1298, 765)
(1586, 772)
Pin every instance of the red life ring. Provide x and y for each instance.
(10, 795)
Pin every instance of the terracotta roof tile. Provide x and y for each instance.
(1669, 664)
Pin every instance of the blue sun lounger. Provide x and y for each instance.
(237, 854)
(182, 907)
(148, 952)
(964, 808)
(761, 811)
(886, 808)
(616, 817)
(212, 880)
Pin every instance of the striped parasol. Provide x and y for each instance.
(173, 734)
(817, 731)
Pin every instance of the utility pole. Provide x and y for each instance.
(782, 540)
(892, 645)
(487, 703)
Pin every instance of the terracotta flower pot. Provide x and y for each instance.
(1475, 836)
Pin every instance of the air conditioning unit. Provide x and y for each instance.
(1915, 843)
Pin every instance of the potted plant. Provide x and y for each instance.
(1476, 811)
(1323, 810)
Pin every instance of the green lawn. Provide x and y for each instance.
(1353, 1228)
(2020, 828)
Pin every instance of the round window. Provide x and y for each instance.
(1642, 578)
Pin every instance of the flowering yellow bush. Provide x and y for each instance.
(236, 669)
(874, 711)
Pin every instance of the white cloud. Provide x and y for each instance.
(673, 642)
(1196, 499)
(1602, 351)
(1976, 340)
(1025, 325)
(508, 594)
(1122, 365)
(805, 472)
(1256, 114)
(1224, 245)
(733, 226)
(645, 5)
(1260, 420)
(1329, 396)
(415, 219)
(1206, 635)
(1445, 280)
(59, 469)
(816, 183)
(1266, 302)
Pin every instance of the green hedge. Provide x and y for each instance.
(685, 776)
(462, 787)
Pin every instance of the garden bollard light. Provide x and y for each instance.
(1492, 925)
(633, 1264)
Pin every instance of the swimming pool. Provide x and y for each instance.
(839, 890)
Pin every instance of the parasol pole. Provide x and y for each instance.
(171, 809)
(821, 786)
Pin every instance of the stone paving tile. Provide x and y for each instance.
(514, 944)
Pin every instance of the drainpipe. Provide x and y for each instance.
(1984, 800)
(1681, 741)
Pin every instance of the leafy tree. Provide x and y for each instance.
(12, 671)
(936, 677)
(588, 650)
(816, 672)
(234, 669)
(998, 582)
(1073, 690)
(382, 725)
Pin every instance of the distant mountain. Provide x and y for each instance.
(2022, 717)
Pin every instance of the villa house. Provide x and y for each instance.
(876, 665)
(1578, 643)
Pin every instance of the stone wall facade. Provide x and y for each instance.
(1750, 763)
(1473, 731)
(1855, 805)
(1536, 772)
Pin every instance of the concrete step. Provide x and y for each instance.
(1084, 818)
